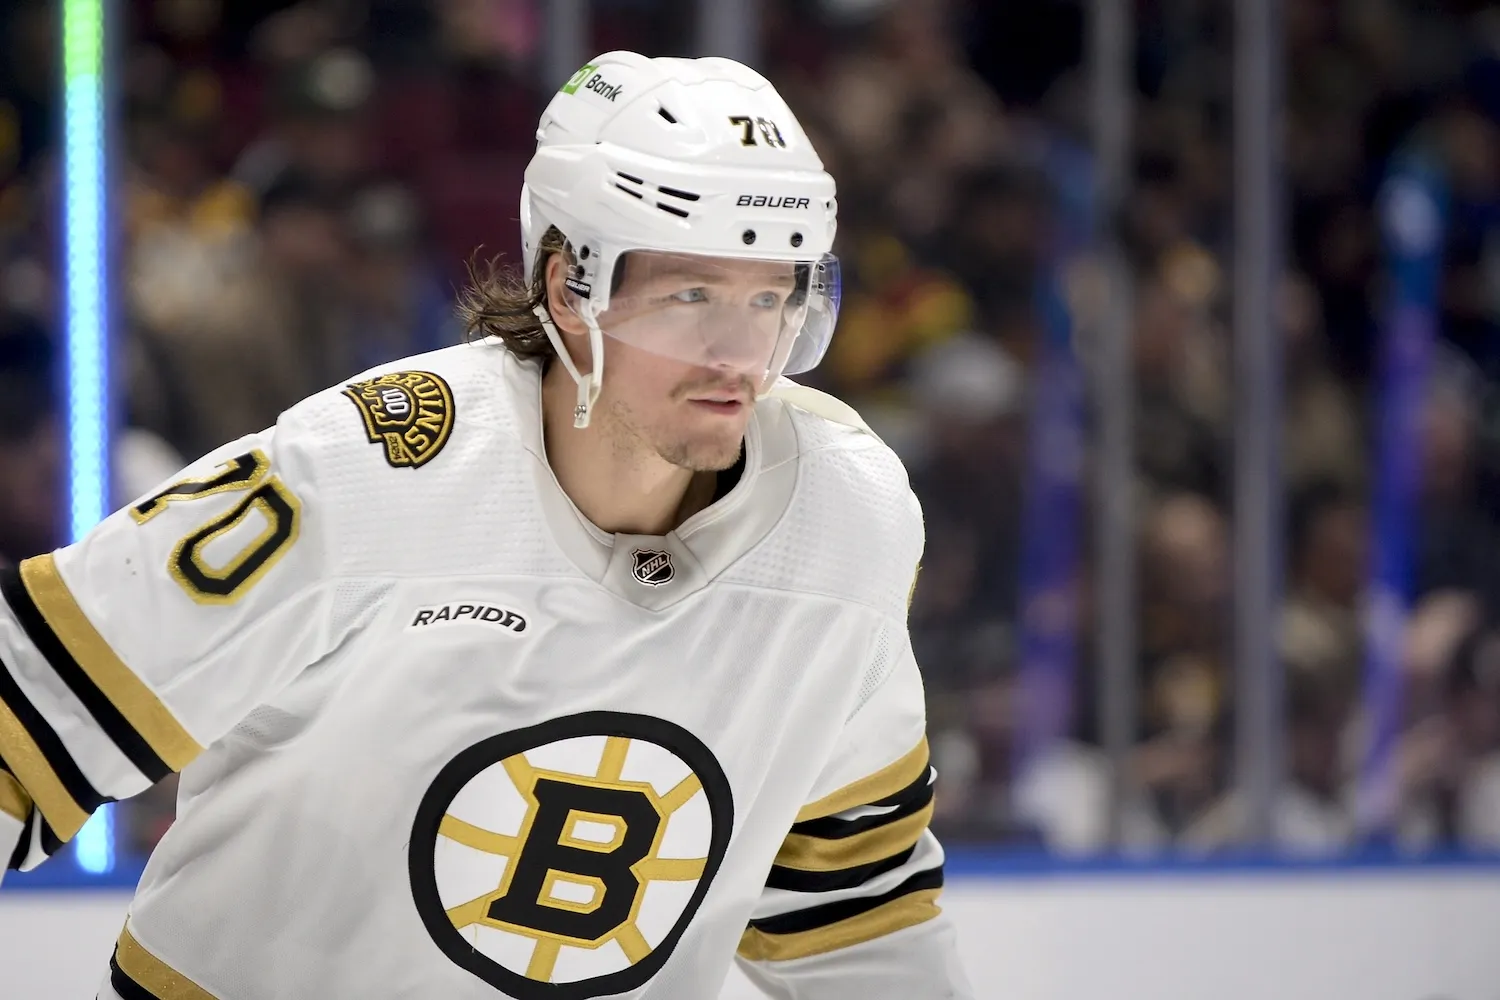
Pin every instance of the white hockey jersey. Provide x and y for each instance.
(442, 737)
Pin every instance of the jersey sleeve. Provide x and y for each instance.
(850, 908)
(124, 655)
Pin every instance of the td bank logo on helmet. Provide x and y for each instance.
(588, 78)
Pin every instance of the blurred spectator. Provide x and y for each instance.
(1312, 812)
(967, 467)
(995, 237)
(1182, 385)
(1322, 433)
(1185, 592)
(399, 306)
(249, 327)
(1468, 792)
(32, 447)
(1327, 566)
(1468, 133)
(1456, 538)
(320, 125)
(895, 307)
(910, 113)
(175, 184)
(1179, 769)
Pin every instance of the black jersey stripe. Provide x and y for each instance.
(125, 707)
(33, 823)
(911, 799)
(824, 914)
(801, 880)
(51, 842)
(136, 974)
(131, 743)
(821, 854)
(831, 926)
(884, 783)
(23, 845)
(34, 753)
(127, 988)
(14, 802)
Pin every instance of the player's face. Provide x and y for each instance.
(688, 343)
(691, 416)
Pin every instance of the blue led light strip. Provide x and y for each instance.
(85, 280)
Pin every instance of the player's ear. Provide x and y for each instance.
(559, 299)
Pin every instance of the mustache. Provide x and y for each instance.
(741, 386)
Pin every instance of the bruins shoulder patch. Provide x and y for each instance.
(411, 413)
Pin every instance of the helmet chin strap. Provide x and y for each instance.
(590, 384)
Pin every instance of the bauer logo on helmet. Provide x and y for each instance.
(772, 201)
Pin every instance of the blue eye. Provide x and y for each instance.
(766, 300)
(691, 295)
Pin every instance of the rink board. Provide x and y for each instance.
(1247, 932)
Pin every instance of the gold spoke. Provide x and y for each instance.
(671, 869)
(472, 912)
(522, 774)
(470, 835)
(615, 749)
(633, 942)
(680, 794)
(543, 959)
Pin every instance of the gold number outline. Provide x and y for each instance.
(769, 131)
(281, 509)
(240, 473)
(748, 124)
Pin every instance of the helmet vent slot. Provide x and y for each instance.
(679, 212)
(666, 114)
(675, 193)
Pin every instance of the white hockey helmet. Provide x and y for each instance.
(667, 161)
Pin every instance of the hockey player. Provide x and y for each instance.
(566, 663)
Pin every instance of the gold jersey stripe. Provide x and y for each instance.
(127, 692)
(26, 760)
(14, 802)
(152, 974)
(820, 854)
(901, 912)
(872, 788)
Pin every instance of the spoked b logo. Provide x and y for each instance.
(565, 861)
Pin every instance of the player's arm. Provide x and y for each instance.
(123, 656)
(850, 908)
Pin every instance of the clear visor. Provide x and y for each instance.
(758, 318)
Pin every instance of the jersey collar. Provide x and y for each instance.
(658, 571)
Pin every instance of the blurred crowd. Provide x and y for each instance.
(303, 180)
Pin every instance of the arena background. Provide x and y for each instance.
(1182, 314)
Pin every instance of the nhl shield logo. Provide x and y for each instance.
(653, 567)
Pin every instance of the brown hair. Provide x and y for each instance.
(500, 302)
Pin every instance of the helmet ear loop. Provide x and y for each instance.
(590, 384)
